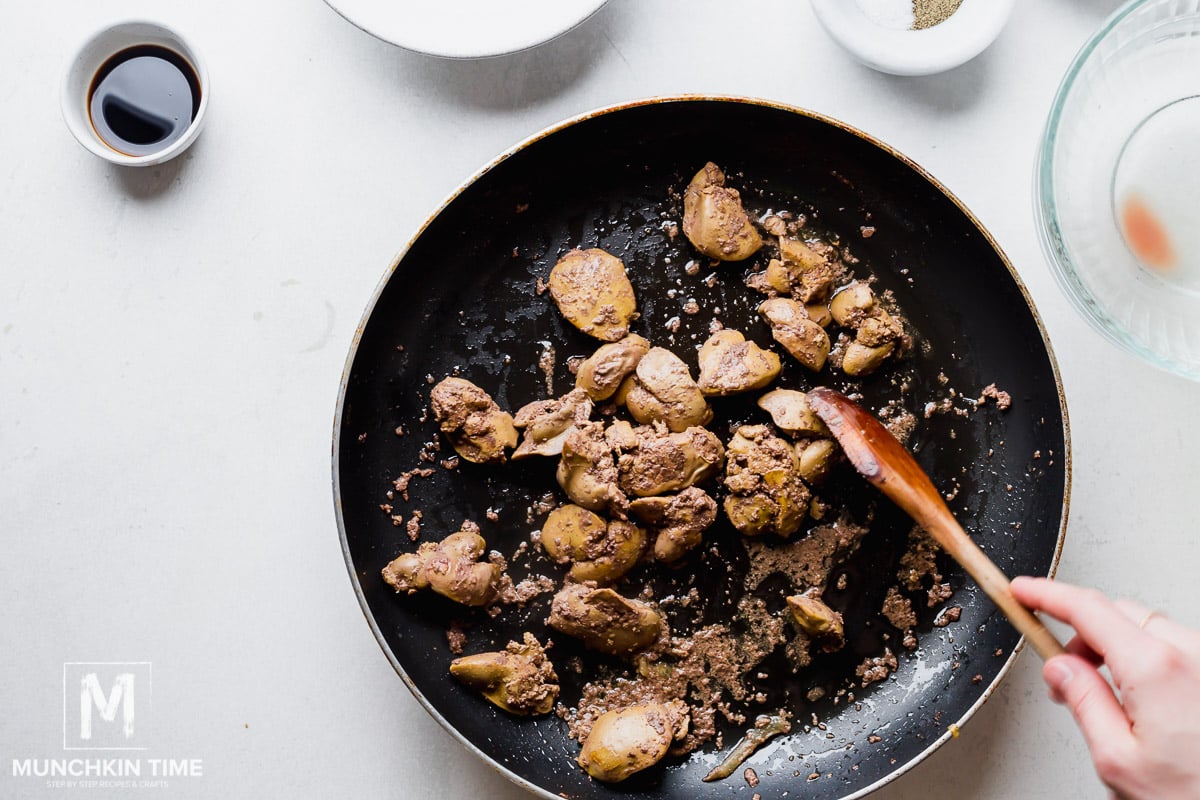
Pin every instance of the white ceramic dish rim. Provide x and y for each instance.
(964, 35)
(388, 22)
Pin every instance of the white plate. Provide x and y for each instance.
(466, 28)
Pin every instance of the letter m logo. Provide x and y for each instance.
(92, 696)
(105, 705)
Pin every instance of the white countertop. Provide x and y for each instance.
(171, 342)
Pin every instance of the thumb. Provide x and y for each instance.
(1080, 687)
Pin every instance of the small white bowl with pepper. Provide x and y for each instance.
(913, 37)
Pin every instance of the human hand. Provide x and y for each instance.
(1143, 730)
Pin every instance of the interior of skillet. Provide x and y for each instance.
(462, 301)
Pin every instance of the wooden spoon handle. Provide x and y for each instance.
(951, 536)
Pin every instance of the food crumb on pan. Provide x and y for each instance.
(898, 610)
(413, 528)
(546, 365)
(525, 590)
(1002, 399)
(951, 614)
(400, 484)
(876, 668)
(939, 593)
(456, 637)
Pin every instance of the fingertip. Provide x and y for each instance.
(1028, 591)
(1089, 697)
(1022, 585)
(1058, 672)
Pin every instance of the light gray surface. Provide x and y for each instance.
(171, 343)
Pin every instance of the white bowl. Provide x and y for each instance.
(961, 37)
(466, 28)
(86, 62)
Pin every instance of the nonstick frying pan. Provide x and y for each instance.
(462, 299)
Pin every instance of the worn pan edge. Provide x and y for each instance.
(603, 111)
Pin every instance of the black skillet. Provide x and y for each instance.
(462, 300)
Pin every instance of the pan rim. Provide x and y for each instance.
(524, 783)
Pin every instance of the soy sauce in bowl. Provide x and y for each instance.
(143, 99)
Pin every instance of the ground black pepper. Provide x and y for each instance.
(933, 12)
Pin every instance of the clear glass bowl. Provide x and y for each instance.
(1117, 193)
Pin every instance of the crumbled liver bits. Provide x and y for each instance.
(919, 563)
(413, 528)
(456, 637)
(546, 365)
(877, 668)
(901, 424)
(898, 610)
(951, 614)
(806, 562)
(401, 483)
(939, 593)
(521, 593)
(1003, 399)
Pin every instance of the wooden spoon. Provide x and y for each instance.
(883, 461)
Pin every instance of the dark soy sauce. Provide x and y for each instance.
(143, 99)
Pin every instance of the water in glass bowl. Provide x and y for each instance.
(1156, 193)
